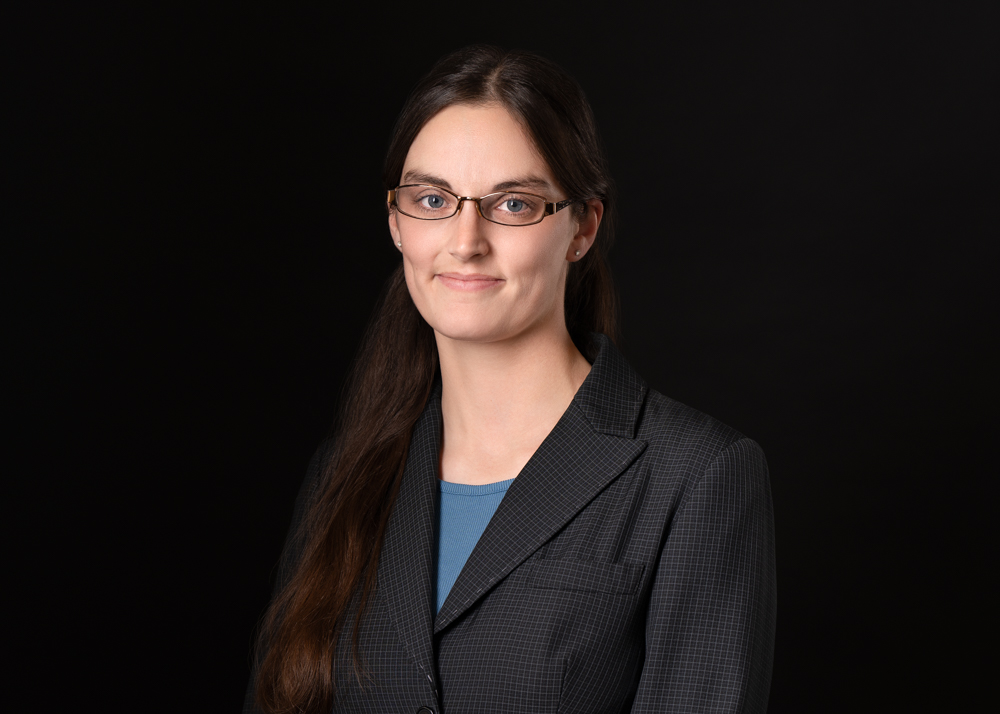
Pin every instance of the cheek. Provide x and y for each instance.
(543, 264)
(419, 293)
(414, 273)
(410, 284)
(418, 270)
(417, 248)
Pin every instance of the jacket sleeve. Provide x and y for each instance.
(710, 625)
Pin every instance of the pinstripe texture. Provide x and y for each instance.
(629, 568)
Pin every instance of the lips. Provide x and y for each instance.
(469, 282)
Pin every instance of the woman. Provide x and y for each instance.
(508, 519)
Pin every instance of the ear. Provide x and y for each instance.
(586, 230)
(394, 231)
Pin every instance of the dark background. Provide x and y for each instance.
(199, 237)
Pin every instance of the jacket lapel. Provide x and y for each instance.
(590, 446)
(406, 563)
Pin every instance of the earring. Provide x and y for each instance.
(578, 252)
(399, 244)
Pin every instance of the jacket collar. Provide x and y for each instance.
(612, 395)
(592, 444)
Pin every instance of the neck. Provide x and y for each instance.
(499, 400)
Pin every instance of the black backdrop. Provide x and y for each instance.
(802, 253)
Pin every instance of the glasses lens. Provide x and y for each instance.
(513, 209)
(425, 202)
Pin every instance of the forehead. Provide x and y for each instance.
(475, 148)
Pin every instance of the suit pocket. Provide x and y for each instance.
(586, 576)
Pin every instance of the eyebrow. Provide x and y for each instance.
(533, 182)
(525, 182)
(421, 177)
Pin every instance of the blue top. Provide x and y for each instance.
(463, 514)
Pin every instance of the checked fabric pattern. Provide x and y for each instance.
(629, 568)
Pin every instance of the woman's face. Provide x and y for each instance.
(473, 280)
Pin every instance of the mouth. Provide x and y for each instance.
(469, 282)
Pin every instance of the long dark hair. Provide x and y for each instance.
(334, 574)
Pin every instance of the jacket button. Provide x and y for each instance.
(425, 710)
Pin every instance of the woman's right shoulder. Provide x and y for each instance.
(323, 454)
(318, 466)
(309, 491)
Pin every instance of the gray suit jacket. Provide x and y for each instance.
(629, 568)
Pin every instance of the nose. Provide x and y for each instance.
(468, 239)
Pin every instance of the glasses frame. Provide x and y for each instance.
(550, 207)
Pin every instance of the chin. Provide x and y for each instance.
(470, 333)
(472, 327)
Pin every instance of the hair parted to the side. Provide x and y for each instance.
(329, 575)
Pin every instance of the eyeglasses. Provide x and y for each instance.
(508, 208)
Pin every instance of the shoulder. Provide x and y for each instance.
(684, 444)
(665, 421)
(616, 401)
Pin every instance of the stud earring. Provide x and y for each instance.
(399, 244)
(578, 252)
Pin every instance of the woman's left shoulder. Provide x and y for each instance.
(688, 438)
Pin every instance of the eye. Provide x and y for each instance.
(513, 209)
(516, 203)
(433, 202)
